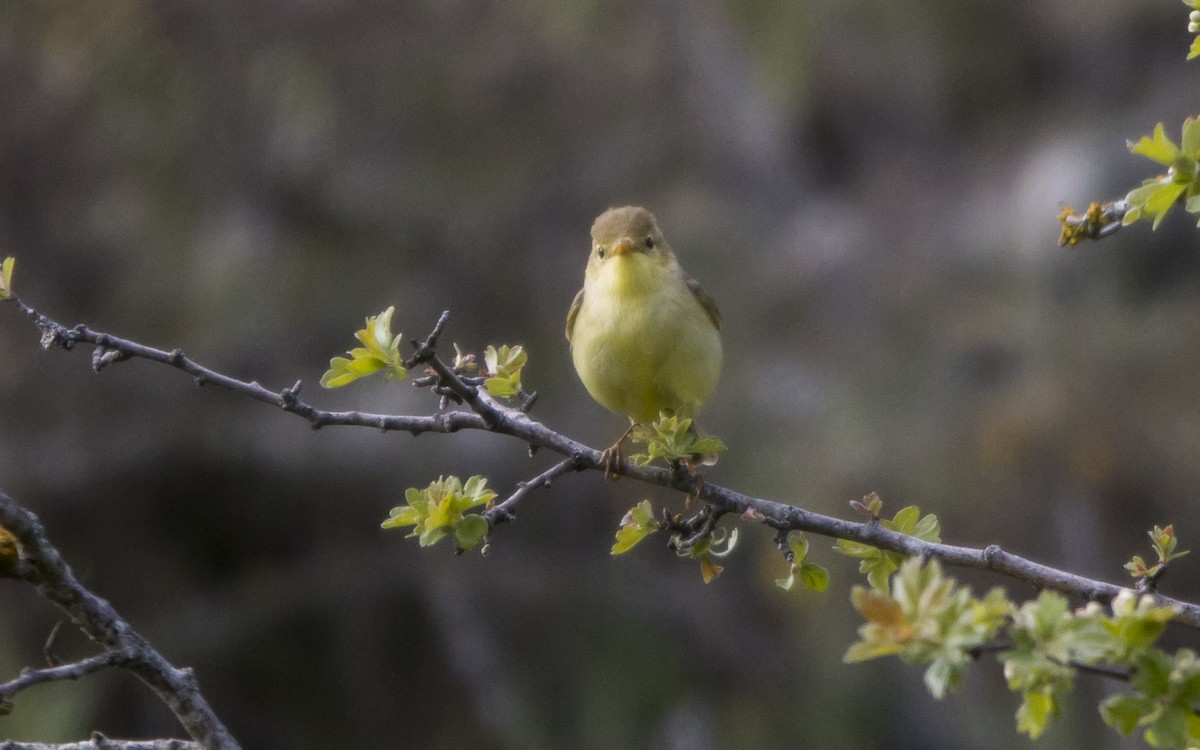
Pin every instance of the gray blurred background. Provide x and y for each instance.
(868, 189)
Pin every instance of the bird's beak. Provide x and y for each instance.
(624, 246)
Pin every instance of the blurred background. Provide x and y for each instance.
(869, 191)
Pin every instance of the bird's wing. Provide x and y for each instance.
(574, 313)
(698, 292)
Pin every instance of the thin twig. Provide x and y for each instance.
(502, 512)
(73, 671)
(48, 654)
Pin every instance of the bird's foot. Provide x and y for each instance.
(612, 457)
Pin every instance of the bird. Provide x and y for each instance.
(644, 335)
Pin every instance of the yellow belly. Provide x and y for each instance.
(638, 357)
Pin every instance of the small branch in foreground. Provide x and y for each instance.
(73, 671)
(100, 742)
(488, 415)
(45, 568)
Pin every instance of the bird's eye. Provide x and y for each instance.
(650, 242)
(600, 252)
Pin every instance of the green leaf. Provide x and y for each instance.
(1194, 52)
(476, 489)
(504, 361)
(1157, 148)
(381, 330)
(505, 387)
(798, 545)
(928, 529)
(944, 675)
(1124, 712)
(814, 577)
(1161, 200)
(1137, 567)
(470, 532)
(637, 524)
(905, 520)
(1153, 674)
(855, 549)
(1190, 144)
(1035, 712)
(6, 273)
(709, 444)
(405, 516)
(430, 537)
(1169, 729)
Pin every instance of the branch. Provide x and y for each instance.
(489, 415)
(100, 742)
(110, 349)
(1100, 220)
(1100, 670)
(30, 677)
(502, 512)
(43, 566)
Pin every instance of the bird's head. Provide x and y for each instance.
(628, 248)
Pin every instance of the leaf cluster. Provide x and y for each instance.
(504, 367)
(380, 351)
(929, 619)
(1166, 693)
(1164, 543)
(1181, 182)
(705, 544)
(879, 564)
(672, 438)
(440, 510)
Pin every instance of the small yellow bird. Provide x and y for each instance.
(644, 335)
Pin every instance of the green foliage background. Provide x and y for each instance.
(869, 191)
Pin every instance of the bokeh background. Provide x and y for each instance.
(868, 189)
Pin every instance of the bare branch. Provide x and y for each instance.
(100, 742)
(73, 671)
(502, 512)
(55, 334)
(45, 568)
(489, 415)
